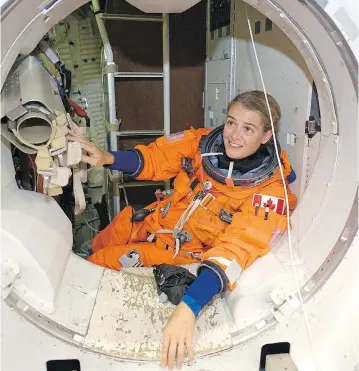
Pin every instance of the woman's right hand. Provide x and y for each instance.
(95, 156)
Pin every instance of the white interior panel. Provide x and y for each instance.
(286, 77)
(217, 92)
(219, 44)
(7, 165)
(36, 234)
(250, 301)
(216, 110)
(77, 295)
(36, 19)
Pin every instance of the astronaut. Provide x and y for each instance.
(226, 209)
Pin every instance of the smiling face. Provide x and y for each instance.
(243, 132)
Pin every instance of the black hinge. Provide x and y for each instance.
(312, 127)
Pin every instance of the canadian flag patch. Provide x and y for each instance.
(273, 203)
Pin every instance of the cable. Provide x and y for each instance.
(129, 240)
(93, 229)
(86, 222)
(285, 192)
(125, 195)
(85, 252)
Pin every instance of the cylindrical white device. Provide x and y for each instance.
(35, 128)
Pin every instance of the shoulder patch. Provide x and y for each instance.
(175, 137)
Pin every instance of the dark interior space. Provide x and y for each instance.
(137, 47)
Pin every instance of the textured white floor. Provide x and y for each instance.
(128, 320)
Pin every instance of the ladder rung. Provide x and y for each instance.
(157, 75)
(133, 17)
(141, 183)
(140, 133)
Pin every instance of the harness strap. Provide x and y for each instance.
(80, 202)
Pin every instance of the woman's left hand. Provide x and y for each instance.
(177, 334)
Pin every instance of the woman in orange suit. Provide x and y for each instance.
(226, 208)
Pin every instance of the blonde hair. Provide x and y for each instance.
(255, 101)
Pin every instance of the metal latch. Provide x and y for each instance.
(194, 255)
(59, 153)
(10, 271)
(115, 176)
(225, 216)
(285, 304)
(47, 174)
(312, 126)
(280, 362)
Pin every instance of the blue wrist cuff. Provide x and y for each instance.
(203, 289)
(194, 306)
(126, 161)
